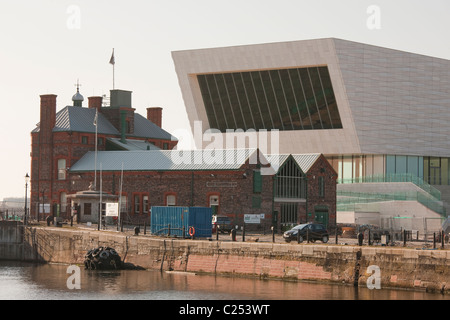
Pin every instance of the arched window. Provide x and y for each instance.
(290, 181)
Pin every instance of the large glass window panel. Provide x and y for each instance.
(300, 107)
(390, 164)
(244, 103)
(279, 101)
(329, 97)
(310, 101)
(347, 169)
(209, 105)
(260, 109)
(400, 165)
(421, 171)
(279, 78)
(219, 93)
(413, 165)
(426, 169)
(253, 102)
(235, 107)
(271, 102)
(444, 171)
(284, 99)
(319, 98)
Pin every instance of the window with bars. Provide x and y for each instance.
(290, 181)
(289, 213)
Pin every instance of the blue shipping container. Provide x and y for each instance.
(199, 218)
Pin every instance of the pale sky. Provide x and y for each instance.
(46, 45)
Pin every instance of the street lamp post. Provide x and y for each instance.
(27, 179)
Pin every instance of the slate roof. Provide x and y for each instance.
(304, 161)
(78, 119)
(166, 160)
(133, 144)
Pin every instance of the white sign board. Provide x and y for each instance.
(112, 209)
(252, 218)
(44, 208)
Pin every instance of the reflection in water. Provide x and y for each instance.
(30, 281)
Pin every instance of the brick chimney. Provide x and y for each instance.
(42, 165)
(48, 116)
(155, 115)
(95, 103)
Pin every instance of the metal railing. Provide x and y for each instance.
(347, 200)
(396, 177)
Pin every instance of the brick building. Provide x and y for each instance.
(283, 189)
(304, 189)
(62, 138)
(287, 189)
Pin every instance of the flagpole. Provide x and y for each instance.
(113, 62)
(101, 200)
(120, 198)
(96, 133)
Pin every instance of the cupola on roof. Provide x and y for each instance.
(77, 97)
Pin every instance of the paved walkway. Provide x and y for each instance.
(257, 237)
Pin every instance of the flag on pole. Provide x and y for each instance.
(112, 60)
(96, 117)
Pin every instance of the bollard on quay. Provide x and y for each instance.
(233, 235)
(360, 239)
(273, 234)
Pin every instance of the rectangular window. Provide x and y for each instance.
(165, 146)
(257, 181)
(63, 201)
(84, 139)
(123, 203)
(214, 204)
(145, 204)
(171, 200)
(137, 204)
(87, 209)
(62, 169)
(321, 187)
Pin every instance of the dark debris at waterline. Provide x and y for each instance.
(106, 258)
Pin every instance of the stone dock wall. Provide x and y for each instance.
(394, 267)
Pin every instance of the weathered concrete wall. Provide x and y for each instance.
(400, 267)
(11, 240)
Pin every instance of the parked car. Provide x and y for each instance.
(315, 232)
(223, 222)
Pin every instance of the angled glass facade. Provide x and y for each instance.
(283, 99)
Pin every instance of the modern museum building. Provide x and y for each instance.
(380, 116)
